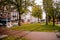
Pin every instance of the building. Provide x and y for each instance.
(9, 19)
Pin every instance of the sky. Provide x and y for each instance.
(39, 2)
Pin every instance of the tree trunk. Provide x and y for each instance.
(38, 20)
(19, 21)
(54, 18)
(38, 17)
(19, 17)
(46, 19)
(19, 10)
(53, 21)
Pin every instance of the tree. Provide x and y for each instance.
(37, 12)
(22, 7)
(49, 10)
(19, 5)
(57, 10)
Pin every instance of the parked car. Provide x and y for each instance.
(4, 21)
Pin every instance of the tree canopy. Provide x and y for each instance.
(37, 11)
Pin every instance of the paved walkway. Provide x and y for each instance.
(41, 36)
(33, 35)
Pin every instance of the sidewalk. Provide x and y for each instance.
(41, 36)
(36, 35)
(32, 35)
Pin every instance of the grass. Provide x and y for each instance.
(13, 38)
(40, 27)
(37, 27)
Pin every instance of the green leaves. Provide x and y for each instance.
(37, 11)
(48, 6)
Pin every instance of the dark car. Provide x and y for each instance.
(3, 21)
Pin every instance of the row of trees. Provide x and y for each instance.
(51, 10)
(21, 6)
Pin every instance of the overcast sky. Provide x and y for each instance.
(39, 2)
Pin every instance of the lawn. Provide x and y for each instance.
(37, 27)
